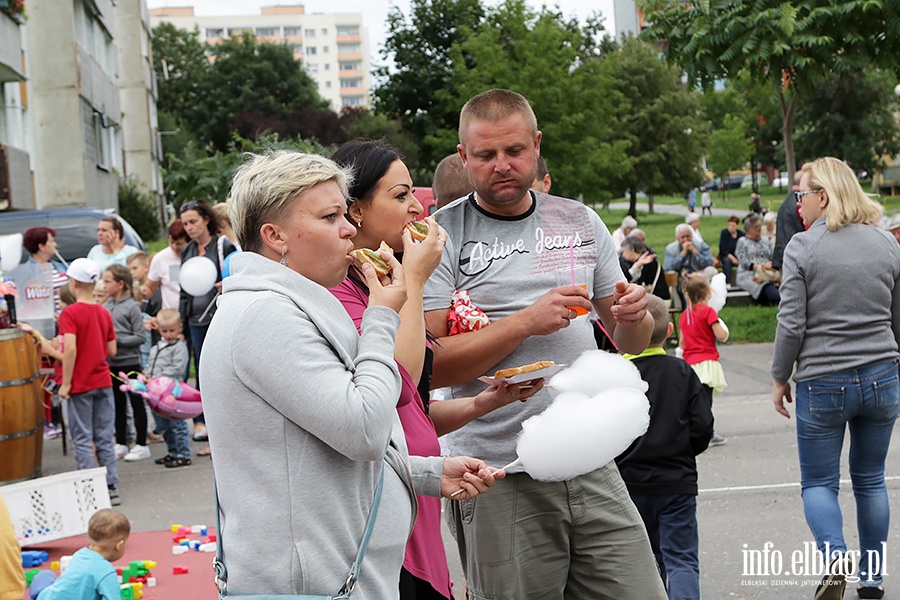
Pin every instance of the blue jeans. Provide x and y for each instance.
(671, 523)
(198, 334)
(176, 434)
(867, 400)
(92, 419)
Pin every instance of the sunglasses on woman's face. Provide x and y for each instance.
(799, 195)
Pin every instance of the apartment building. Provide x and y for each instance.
(333, 47)
(16, 187)
(630, 20)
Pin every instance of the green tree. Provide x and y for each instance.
(659, 118)
(788, 44)
(852, 117)
(138, 206)
(181, 65)
(729, 146)
(248, 77)
(553, 63)
(418, 83)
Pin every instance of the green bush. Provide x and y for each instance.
(138, 206)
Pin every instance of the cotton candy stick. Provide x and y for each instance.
(514, 463)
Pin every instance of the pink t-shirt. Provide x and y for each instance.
(425, 556)
(164, 269)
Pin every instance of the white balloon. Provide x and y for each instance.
(10, 251)
(578, 434)
(718, 287)
(596, 371)
(198, 276)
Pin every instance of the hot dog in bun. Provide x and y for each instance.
(364, 255)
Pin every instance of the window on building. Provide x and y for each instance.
(312, 68)
(104, 142)
(324, 49)
(351, 83)
(310, 50)
(214, 32)
(291, 31)
(349, 65)
(309, 32)
(266, 31)
(324, 31)
(352, 100)
(328, 84)
(298, 48)
(239, 31)
(348, 48)
(327, 66)
(348, 29)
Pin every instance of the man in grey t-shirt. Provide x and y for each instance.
(506, 246)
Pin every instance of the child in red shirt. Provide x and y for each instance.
(699, 328)
(88, 338)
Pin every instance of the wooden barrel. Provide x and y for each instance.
(21, 411)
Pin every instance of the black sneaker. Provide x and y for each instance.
(165, 460)
(114, 499)
(178, 462)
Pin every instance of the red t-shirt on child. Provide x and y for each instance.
(92, 326)
(698, 336)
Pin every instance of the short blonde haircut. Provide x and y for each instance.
(107, 527)
(265, 185)
(494, 105)
(168, 316)
(847, 202)
(138, 256)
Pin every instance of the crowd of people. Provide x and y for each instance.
(326, 371)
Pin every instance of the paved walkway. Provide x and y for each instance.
(677, 209)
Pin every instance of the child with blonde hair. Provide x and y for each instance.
(169, 358)
(90, 573)
(699, 329)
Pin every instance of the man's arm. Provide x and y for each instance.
(625, 317)
(704, 256)
(458, 359)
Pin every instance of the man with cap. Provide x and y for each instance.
(88, 338)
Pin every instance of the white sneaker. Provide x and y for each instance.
(121, 450)
(138, 453)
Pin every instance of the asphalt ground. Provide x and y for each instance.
(749, 498)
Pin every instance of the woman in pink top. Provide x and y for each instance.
(381, 205)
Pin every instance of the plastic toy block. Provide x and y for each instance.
(177, 538)
(197, 528)
(179, 549)
(211, 537)
(126, 592)
(33, 558)
(29, 575)
(64, 562)
(54, 566)
(142, 579)
(151, 582)
(176, 527)
(149, 564)
(185, 542)
(184, 531)
(195, 544)
(211, 547)
(179, 570)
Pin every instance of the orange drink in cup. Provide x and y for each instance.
(582, 277)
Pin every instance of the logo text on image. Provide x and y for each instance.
(808, 561)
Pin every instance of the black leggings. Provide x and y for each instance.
(413, 588)
(137, 406)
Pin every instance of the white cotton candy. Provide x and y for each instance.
(718, 287)
(578, 434)
(10, 251)
(596, 371)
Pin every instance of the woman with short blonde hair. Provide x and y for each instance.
(837, 180)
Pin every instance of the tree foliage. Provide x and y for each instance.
(420, 87)
(852, 117)
(729, 146)
(139, 207)
(789, 44)
(659, 118)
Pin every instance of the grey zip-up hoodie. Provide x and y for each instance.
(130, 334)
(301, 411)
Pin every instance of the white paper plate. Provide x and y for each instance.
(546, 372)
